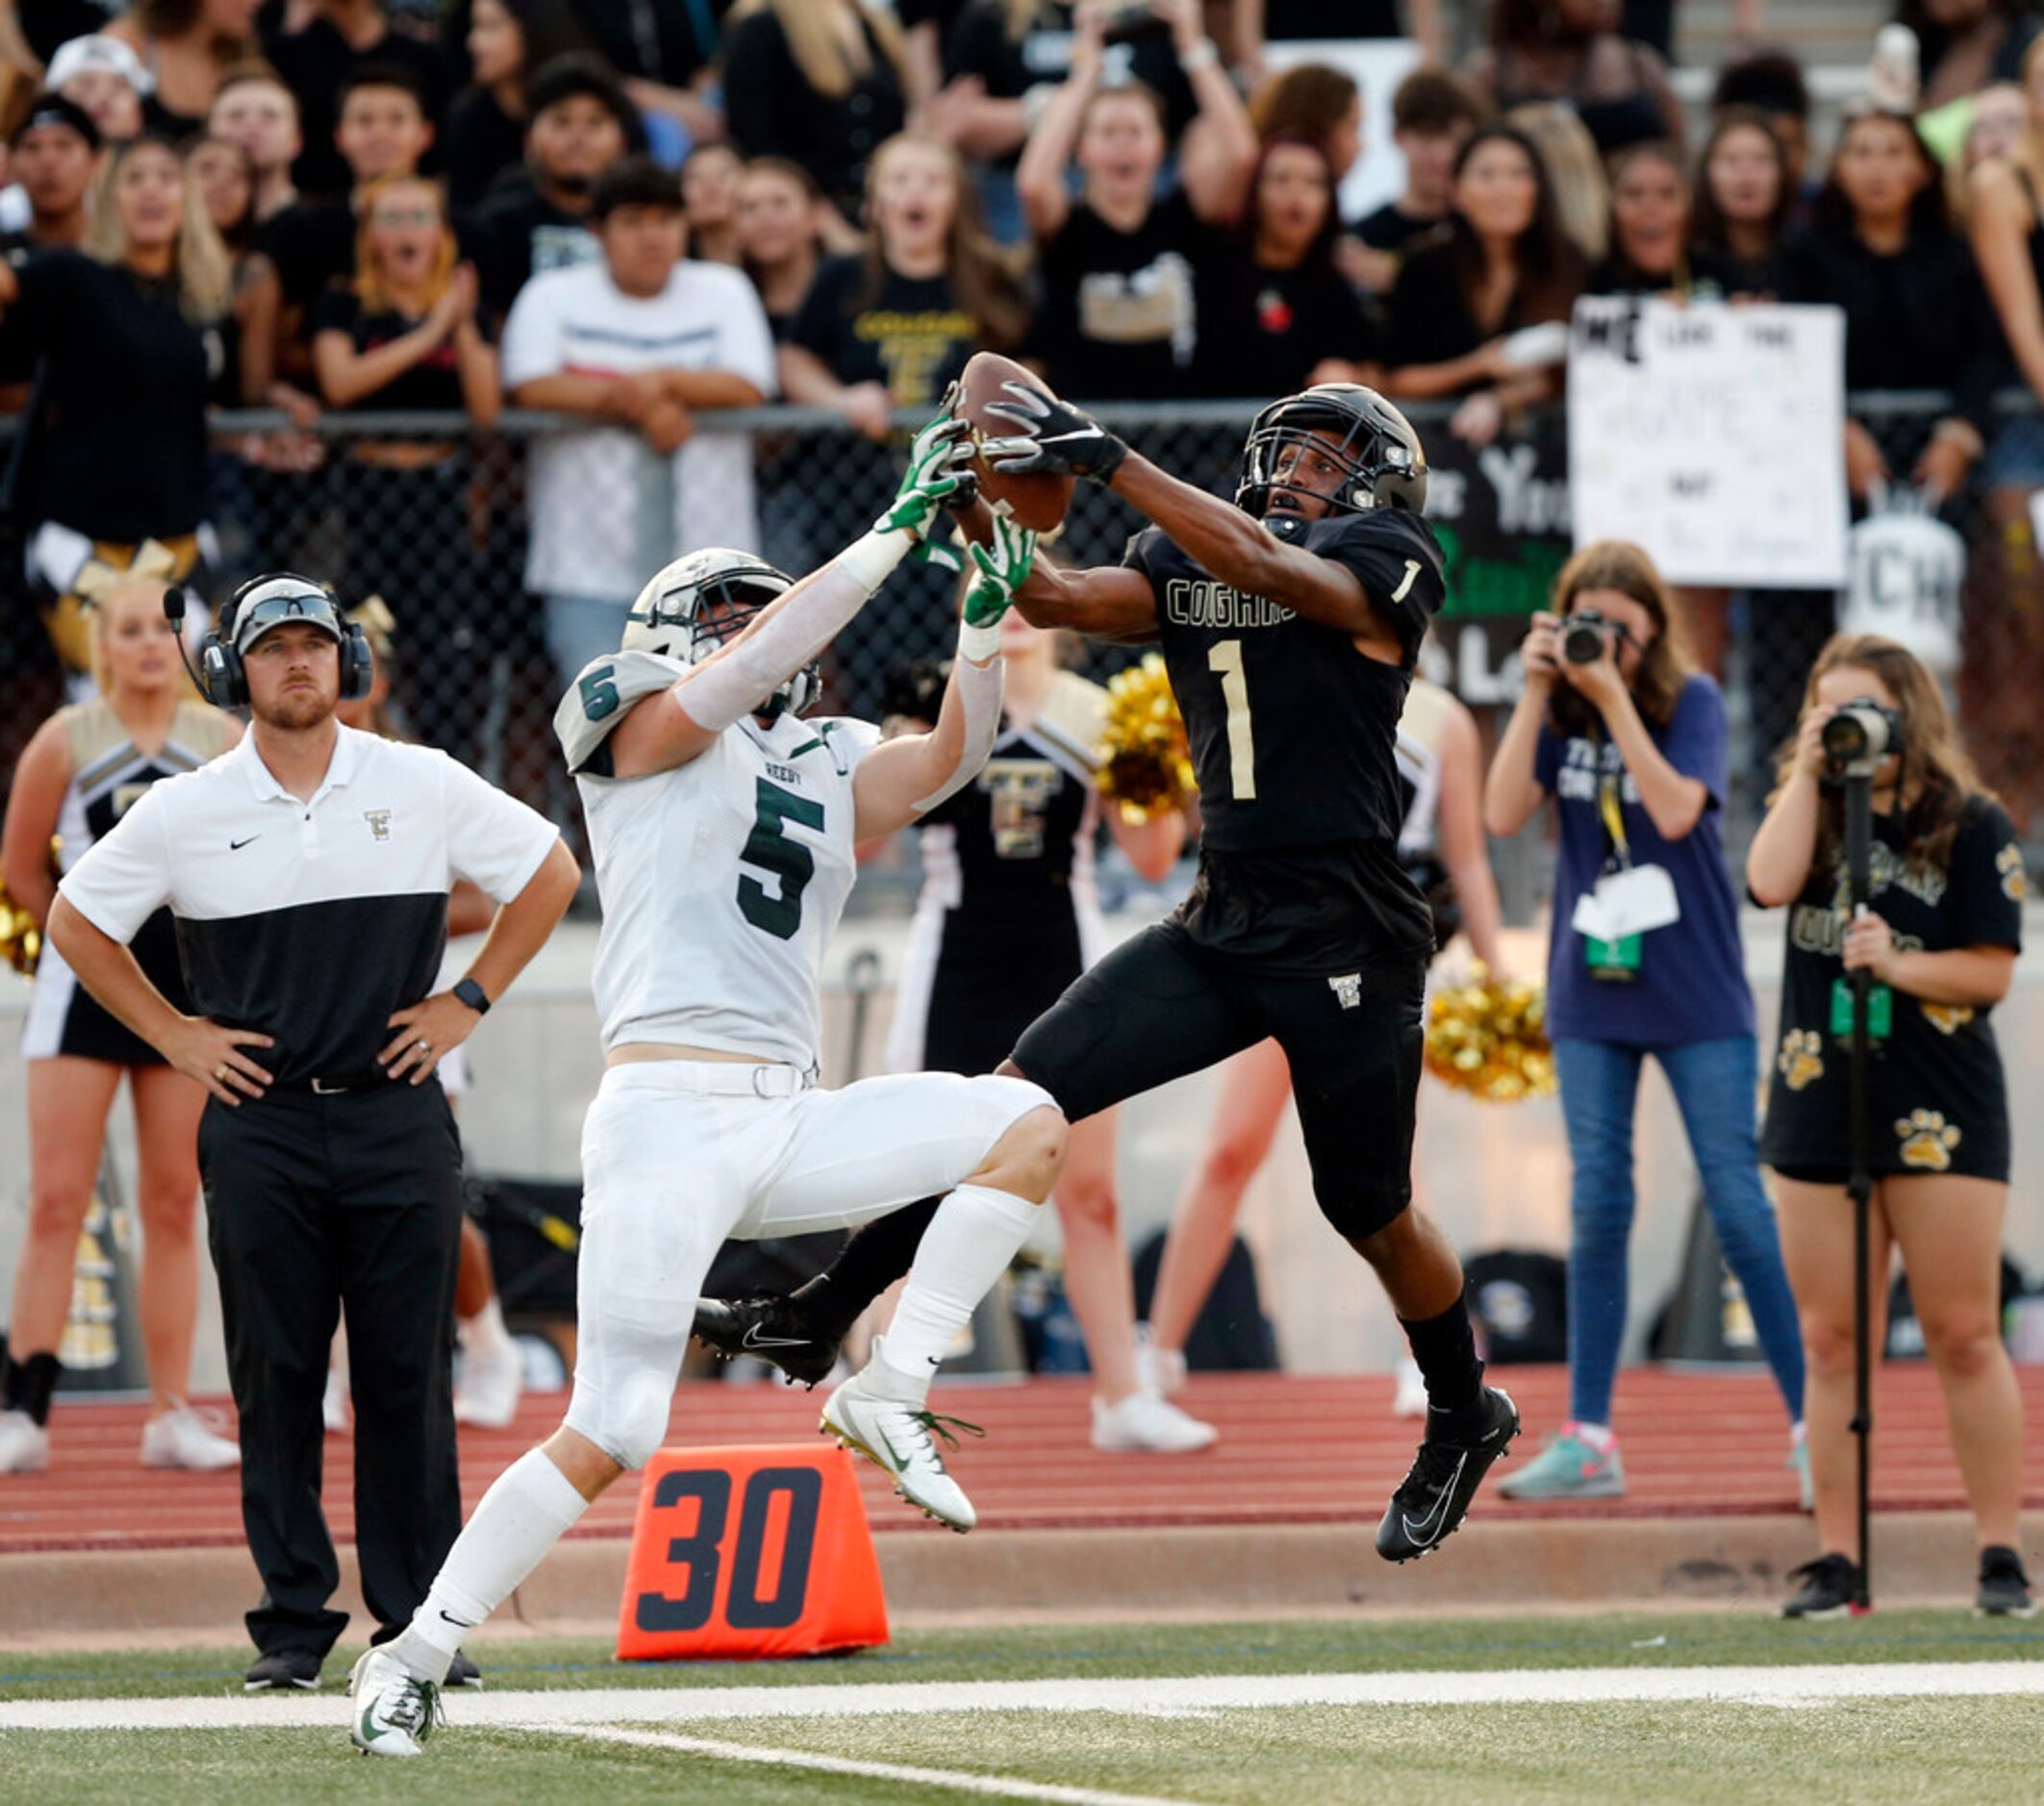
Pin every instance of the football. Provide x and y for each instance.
(1038, 502)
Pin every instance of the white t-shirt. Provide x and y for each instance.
(721, 881)
(606, 511)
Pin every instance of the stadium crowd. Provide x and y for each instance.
(642, 216)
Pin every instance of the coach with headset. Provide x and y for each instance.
(308, 870)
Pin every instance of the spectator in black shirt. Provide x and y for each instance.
(226, 184)
(1743, 197)
(255, 109)
(1275, 314)
(51, 154)
(1771, 83)
(581, 125)
(822, 82)
(894, 328)
(185, 45)
(1432, 114)
(383, 131)
(103, 75)
(404, 335)
(1499, 262)
(779, 235)
(1565, 51)
(1965, 44)
(665, 52)
(317, 46)
(709, 191)
(1313, 100)
(1120, 314)
(485, 132)
(130, 339)
(1915, 315)
(1650, 224)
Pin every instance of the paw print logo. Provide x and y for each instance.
(1948, 1018)
(1927, 1139)
(2008, 861)
(1801, 1061)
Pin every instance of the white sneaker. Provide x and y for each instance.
(1145, 1423)
(1410, 1399)
(181, 1438)
(1158, 1370)
(24, 1444)
(393, 1711)
(898, 1438)
(333, 1406)
(491, 1386)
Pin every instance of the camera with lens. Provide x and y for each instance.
(1862, 734)
(1585, 635)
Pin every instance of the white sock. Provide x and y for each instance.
(530, 1508)
(966, 1248)
(484, 1332)
(1598, 1435)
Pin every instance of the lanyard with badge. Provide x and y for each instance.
(1628, 902)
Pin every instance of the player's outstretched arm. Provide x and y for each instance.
(796, 625)
(1109, 602)
(908, 776)
(1052, 434)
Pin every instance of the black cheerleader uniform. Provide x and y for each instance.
(108, 773)
(1936, 1099)
(1009, 914)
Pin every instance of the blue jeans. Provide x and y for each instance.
(1715, 1084)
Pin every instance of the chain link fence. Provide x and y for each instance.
(508, 558)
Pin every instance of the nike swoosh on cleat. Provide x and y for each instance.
(1429, 1528)
(752, 1339)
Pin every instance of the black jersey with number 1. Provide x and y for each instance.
(1294, 735)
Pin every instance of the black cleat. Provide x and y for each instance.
(462, 1673)
(281, 1670)
(770, 1328)
(1430, 1506)
(2004, 1587)
(1829, 1586)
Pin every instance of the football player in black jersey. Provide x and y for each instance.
(1290, 622)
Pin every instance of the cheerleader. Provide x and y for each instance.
(85, 767)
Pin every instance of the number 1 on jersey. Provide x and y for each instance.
(1226, 657)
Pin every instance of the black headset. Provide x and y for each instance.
(222, 678)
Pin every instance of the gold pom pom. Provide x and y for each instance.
(20, 939)
(1146, 764)
(1489, 1038)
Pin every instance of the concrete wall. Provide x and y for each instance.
(1495, 1175)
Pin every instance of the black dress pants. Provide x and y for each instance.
(318, 1205)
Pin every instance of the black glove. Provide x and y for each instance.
(1055, 437)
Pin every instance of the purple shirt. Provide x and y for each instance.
(1691, 982)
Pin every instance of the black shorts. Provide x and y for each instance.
(1160, 1005)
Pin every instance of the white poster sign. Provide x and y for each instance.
(1714, 437)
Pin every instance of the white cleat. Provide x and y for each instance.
(1411, 1398)
(183, 1439)
(1158, 1370)
(24, 1444)
(900, 1440)
(1144, 1423)
(391, 1711)
(492, 1384)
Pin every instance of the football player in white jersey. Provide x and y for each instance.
(722, 825)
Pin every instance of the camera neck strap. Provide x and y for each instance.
(1619, 853)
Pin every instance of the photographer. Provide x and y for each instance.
(1940, 941)
(1619, 728)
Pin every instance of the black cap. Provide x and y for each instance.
(55, 109)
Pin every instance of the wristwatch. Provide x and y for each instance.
(473, 995)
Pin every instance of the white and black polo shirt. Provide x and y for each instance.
(310, 922)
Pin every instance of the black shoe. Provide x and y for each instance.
(771, 1329)
(2004, 1587)
(462, 1673)
(1430, 1506)
(283, 1668)
(1829, 1586)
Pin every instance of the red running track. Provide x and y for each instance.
(1292, 1451)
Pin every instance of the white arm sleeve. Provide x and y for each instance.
(795, 630)
(979, 690)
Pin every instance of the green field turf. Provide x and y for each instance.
(1981, 1750)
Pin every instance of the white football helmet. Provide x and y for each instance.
(696, 603)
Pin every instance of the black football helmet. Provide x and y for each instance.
(1384, 463)
(699, 601)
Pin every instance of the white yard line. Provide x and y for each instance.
(996, 1787)
(698, 1705)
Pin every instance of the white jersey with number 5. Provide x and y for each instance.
(721, 881)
